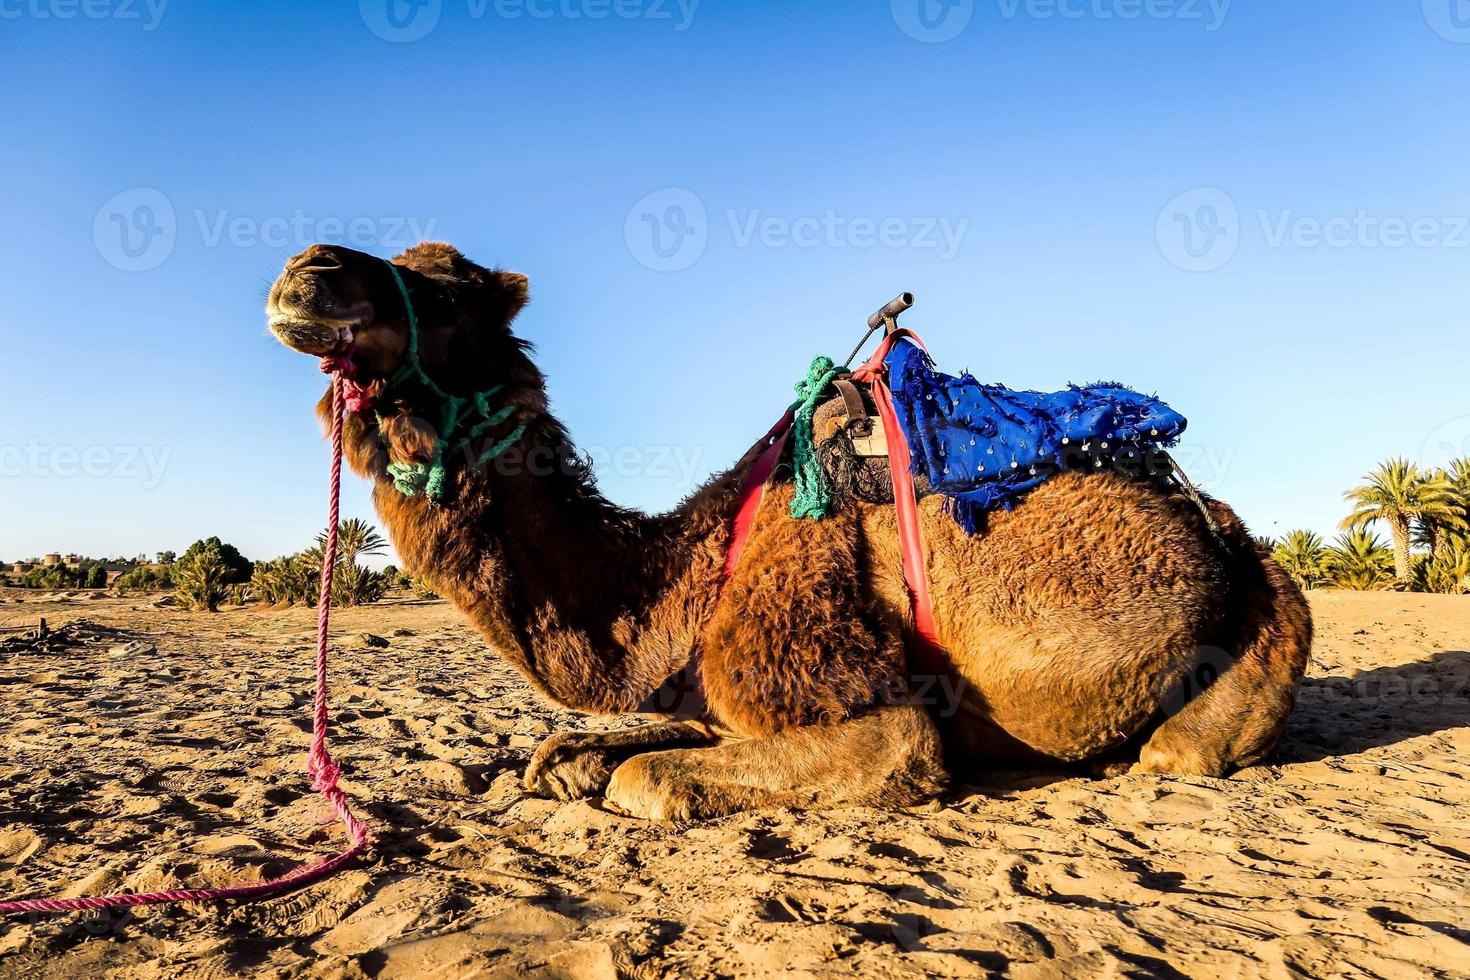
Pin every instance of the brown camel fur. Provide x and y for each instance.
(1098, 622)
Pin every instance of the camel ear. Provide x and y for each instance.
(515, 289)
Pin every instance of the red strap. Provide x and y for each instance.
(905, 502)
(930, 655)
(754, 490)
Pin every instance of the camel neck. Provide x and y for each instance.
(597, 605)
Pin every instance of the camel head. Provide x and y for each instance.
(333, 300)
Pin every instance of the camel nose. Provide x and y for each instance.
(318, 258)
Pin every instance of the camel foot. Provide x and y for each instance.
(888, 757)
(578, 765)
(653, 787)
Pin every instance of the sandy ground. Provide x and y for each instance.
(170, 754)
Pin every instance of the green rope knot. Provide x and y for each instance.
(813, 496)
(409, 479)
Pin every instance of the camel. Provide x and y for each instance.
(1100, 624)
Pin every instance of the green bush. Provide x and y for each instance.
(295, 580)
(238, 568)
(1447, 572)
(288, 581)
(54, 577)
(144, 578)
(201, 578)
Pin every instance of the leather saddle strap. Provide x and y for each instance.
(930, 654)
(852, 399)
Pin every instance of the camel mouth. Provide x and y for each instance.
(317, 332)
(315, 337)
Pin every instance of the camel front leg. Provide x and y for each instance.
(576, 765)
(890, 756)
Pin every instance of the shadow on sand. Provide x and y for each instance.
(1340, 715)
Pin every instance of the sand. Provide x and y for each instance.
(167, 750)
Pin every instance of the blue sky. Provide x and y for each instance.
(1257, 209)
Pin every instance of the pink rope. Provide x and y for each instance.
(324, 771)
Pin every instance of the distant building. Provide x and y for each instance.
(52, 559)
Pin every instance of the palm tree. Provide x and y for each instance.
(1399, 495)
(354, 538)
(1301, 556)
(1359, 560)
(1458, 473)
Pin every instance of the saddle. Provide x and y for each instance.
(852, 444)
(985, 445)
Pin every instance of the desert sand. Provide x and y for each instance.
(167, 750)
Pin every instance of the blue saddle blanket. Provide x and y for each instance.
(984, 445)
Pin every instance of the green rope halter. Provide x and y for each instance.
(412, 479)
(813, 497)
